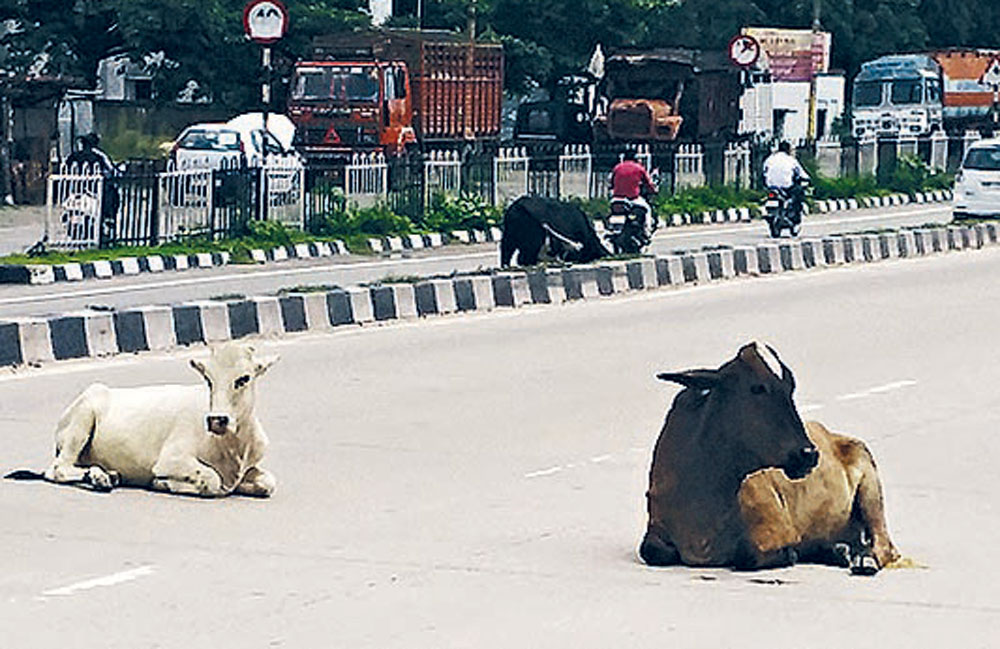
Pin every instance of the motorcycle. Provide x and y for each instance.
(779, 210)
(624, 229)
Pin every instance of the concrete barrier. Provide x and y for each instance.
(791, 256)
(98, 333)
(834, 251)
(769, 258)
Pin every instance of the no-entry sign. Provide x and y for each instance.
(265, 21)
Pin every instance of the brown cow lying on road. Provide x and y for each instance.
(738, 480)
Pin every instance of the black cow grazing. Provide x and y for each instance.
(531, 220)
(738, 480)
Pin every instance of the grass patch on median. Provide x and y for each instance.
(262, 235)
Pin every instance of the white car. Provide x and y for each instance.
(208, 146)
(977, 184)
(237, 143)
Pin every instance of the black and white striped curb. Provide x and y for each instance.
(158, 328)
(106, 269)
(299, 251)
(744, 214)
(433, 240)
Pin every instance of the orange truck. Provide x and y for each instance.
(393, 90)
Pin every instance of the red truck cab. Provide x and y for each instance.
(352, 106)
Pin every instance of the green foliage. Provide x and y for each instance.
(467, 212)
(913, 175)
(845, 187)
(694, 200)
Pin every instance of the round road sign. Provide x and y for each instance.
(744, 51)
(265, 21)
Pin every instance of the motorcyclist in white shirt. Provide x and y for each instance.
(782, 171)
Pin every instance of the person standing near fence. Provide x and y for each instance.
(88, 158)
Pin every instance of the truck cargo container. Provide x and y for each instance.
(917, 94)
(393, 89)
(644, 96)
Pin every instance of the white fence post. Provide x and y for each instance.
(442, 174)
(284, 191)
(510, 173)
(939, 150)
(367, 181)
(185, 201)
(689, 166)
(74, 201)
(828, 155)
(575, 163)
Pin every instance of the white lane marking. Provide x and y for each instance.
(881, 389)
(210, 279)
(810, 407)
(543, 472)
(600, 458)
(698, 231)
(108, 580)
(889, 387)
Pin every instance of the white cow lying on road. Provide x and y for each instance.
(170, 437)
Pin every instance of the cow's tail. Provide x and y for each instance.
(24, 474)
(575, 246)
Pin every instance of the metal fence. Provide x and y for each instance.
(139, 204)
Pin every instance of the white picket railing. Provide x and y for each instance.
(510, 174)
(442, 174)
(185, 201)
(736, 165)
(283, 182)
(74, 206)
(575, 165)
(367, 179)
(689, 166)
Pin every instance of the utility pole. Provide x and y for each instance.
(816, 28)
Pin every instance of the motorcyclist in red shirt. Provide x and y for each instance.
(631, 181)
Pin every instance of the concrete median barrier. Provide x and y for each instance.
(95, 333)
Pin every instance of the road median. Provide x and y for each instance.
(94, 333)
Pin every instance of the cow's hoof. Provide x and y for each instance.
(99, 480)
(657, 552)
(864, 564)
(841, 553)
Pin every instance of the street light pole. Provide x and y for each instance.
(816, 28)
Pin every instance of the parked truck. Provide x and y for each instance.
(390, 90)
(918, 94)
(644, 96)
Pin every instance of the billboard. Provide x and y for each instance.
(793, 54)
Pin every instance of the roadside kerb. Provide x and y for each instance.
(102, 333)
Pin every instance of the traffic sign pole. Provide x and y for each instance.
(265, 90)
(265, 22)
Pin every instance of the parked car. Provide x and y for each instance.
(239, 142)
(977, 184)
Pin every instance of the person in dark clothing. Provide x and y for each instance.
(88, 159)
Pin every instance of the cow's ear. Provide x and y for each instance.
(696, 379)
(264, 364)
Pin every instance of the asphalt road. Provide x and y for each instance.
(19, 301)
(477, 481)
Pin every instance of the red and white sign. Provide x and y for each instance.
(992, 75)
(265, 21)
(793, 54)
(744, 50)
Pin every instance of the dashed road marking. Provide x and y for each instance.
(543, 472)
(881, 389)
(108, 580)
